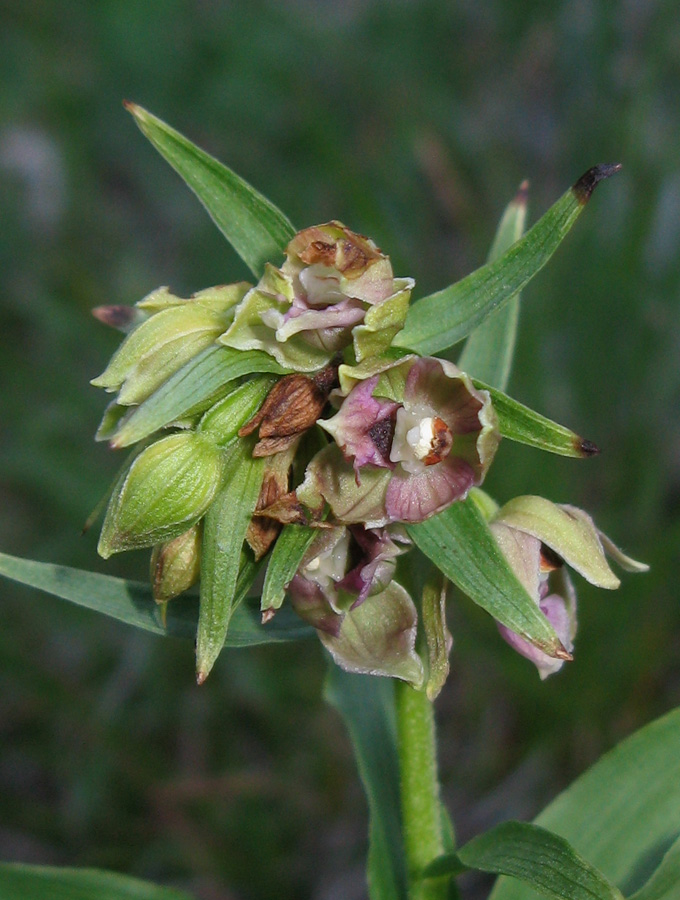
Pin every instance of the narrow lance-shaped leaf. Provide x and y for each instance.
(367, 706)
(665, 882)
(533, 855)
(256, 229)
(289, 549)
(623, 813)
(132, 603)
(22, 882)
(224, 532)
(519, 423)
(460, 543)
(489, 350)
(437, 322)
(195, 384)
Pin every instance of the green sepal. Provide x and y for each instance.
(157, 348)
(382, 322)
(249, 332)
(437, 635)
(439, 321)
(168, 487)
(569, 531)
(285, 560)
(460, 543)
(378, 637)
(224, 533)
(332, 479)
(256, 229)
(391, 368)
(222, 298)
(191, 390)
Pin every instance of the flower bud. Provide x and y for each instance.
(176, 565)
(166, 490)
(165, 341)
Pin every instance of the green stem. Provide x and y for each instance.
(420, 796)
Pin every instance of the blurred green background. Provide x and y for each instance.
(413, 121)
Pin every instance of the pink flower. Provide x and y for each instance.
(434, 445)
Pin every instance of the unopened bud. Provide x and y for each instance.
(166, 490)
(176, 565)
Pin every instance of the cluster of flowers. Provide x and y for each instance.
(359, 440)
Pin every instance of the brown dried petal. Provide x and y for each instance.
(262, 532)
(292, 406)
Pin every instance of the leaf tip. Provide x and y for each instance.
(132, 107)
(521, 198)
(586, 448)
(587, 183)
(268, 615)
(201, 677)
(562, 653)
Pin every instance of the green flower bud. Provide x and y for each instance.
(176, 564)
(176, 332)
(166, 490)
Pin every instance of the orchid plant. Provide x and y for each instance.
(306, 442)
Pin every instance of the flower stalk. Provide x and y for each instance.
(421, 806)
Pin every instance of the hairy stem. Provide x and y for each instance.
(420, 799)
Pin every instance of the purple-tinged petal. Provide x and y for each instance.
(375, 570)
(342, 316)
(310, 602)
(363, 426)
(556, 612)
(413, 498)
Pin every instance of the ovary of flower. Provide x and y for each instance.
(420, 438)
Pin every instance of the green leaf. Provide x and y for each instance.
(224, 532)
(489, 350)
(623, 813)
(21, 882)
(460, 544)
(665, 882)
(131, 602)
(519, 423)
(289, 549)
(195, 384)
(366, 704)
(256, 229)
(533, 855)
(437, 322)
(437, 635)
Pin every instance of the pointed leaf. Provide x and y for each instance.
(665, 882)
(519, 423)
(22, 882)
(460, 544)
(289, 549)
(255, 228)
(367, 706)
(224, 532)
(533, 855)
(437, 322)
(489, 350)
(132, 602)
(623, 813)
(187, 390)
